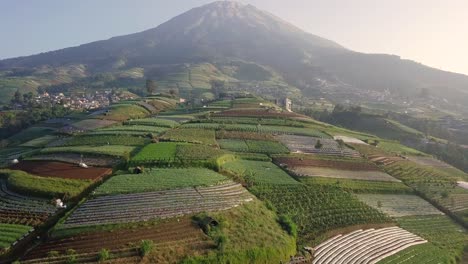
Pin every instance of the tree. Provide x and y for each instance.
(151, 86)
(319, 144)
(17, 98)
(216, 87)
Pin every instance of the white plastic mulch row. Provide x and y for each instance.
(365, 246)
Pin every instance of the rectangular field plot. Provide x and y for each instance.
(350, 140)
(342, 174)
(268, 129)
(365, 246)
(252, 146)
(360, 186)
(90, 124)
(153, 122)
(463, 185)
(199, 136)
(110, 150)
(165, 151)
(139, 207)
(61, 170)
(399, 204)
(10, 233)
(309, 145)
(429, 161)
(160, 179)
(135, 130)
(100, 140)
(258, 172)
(180, 236)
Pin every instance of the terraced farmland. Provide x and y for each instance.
(10, 233)
(133, 130)
(252, 146)
(160, 179)
(365, 246)
(301, 144)
(124, 208)
(317, 209)
(61, 170)
(101, 140)
(109, 150)
(163, 151)
(360, 186)
(258, 172)
(325, 162)
(18, 209)
(311, 132)
(399, 205)
(342, 174)
(182, 236)
(440, 231)
(158, 122)
(198, 136)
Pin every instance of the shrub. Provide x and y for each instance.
(146, 246)
(104, 255)
(288, 225)
(53, 254)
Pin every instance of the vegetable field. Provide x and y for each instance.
(445, 235)
(360, 186)
(163, 151)
(369, 246)
(397, 205)
(252, 146)
(10, 233)
(61, 170)
(110, 150)
(259, 129)
(100, 140)
(258, 172)
(138, 207)
(317, 209)
(198, 136)
(19, 209)
(160, 179)
(158, 122)
(342, 174)
(310, 145)
(170, 238)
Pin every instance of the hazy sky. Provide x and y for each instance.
(433, 32)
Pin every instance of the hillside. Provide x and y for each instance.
(222, 31)
(237, 181)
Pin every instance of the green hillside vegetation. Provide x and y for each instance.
(247, 234)
(160, 179)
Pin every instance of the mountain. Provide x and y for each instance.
(223, 31)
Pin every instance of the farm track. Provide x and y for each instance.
(61, 170)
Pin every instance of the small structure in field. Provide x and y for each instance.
(285, 103)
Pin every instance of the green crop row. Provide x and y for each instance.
(160, 179)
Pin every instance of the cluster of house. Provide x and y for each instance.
(95, 100)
